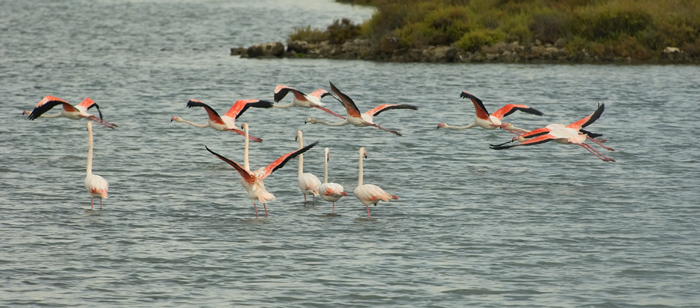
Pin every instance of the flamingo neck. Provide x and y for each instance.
(325, 168)
(89, 158)
(192, 123)
(341, 123)
(246, 164)
(301, 156)
(470, 125)
(359, 179)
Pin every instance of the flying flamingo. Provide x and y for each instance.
(360, 119)
(491, 121)
(253, 181)
(572, 133)
(368, 193)
(95, 185)
(227, 121)
(331, 192)
(308, 183)
(69, 111)
(302, 100)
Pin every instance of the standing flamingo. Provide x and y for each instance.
(491, 121)
(302, 100)
(360, 119)
(331, 192)
(572, 134)
(368, 193)
(308, 183)
(253, 181)
(95, 185)
(69, 111)
(227, 121)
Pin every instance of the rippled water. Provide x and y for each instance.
(544, 226)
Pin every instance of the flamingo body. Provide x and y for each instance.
(566, 134)
(487, 120)
(226, 122)
(308, 183)
(370, 193)
(357, 118)
(67, 110)
(95, 185)
(331, 192)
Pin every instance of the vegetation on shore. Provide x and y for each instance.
(634, 29)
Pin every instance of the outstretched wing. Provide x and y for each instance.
(347, 102)
(510, 108)
(213, 115)
(47, 103)
(279, 163)
(320, 93)
(245, 174)
(384, 107)
(240, 106)
(536, 132)
(533, 141)
(88, 103)
(281, 91)
(589, 119)
(481, 112)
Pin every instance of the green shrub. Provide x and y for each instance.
(342, 30)
(473, 40)
(548, 28)
(309, 35)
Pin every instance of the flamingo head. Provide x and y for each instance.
(344, 193)
(26, 112)
(175, 118)
(441, 125)
(310, 120)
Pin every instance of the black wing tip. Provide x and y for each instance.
(264, 104)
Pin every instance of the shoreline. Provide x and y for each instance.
(362, 49)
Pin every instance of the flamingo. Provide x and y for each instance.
(227, 121)
(331, 192)
(302, 100)
(360, 119)
(253, 181)
(69, 111)
(95, 185)
(572, 134)
(368, 193)
(308, 183)
(491, 121)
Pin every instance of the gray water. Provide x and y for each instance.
(541, 226)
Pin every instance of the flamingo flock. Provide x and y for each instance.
(309, 184)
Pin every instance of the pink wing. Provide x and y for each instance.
(213, 115)
(510, 108)
(281, 91)
(240, 106)
(245, 174)
(479, 107)
(347, 102)
(49, 102)
(578, 125)
(384, 107)
(279, 163)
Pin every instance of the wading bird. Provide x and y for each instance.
(360, 119)
(300, 99)
(308, 183)
(68, 111)
(228, 120)
(253, 181)
(95, 185)
(491, 121)
(368, 193)
(571, 134)
(330, 192)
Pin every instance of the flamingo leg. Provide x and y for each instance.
(313, 197)
(240, 132)
(594, 152)
(266, 215)
(103, 122)
(256, 210)
(100, 203)
(304, 199)
(367, 206)
(329, 111)
(382, 128)
(333, 210)
(91, 204)
(598, 142)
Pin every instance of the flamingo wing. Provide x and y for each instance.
(479, 107)
(589, 119)
(245, 174)
(279, 163)
(281, 91)
(241, 106)
(47, 103)
(536, 132)
(347, 102)
(533, 141)
(320, 93)
(510, 108)
(213, 115)
(88, 103)
(384, 107)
